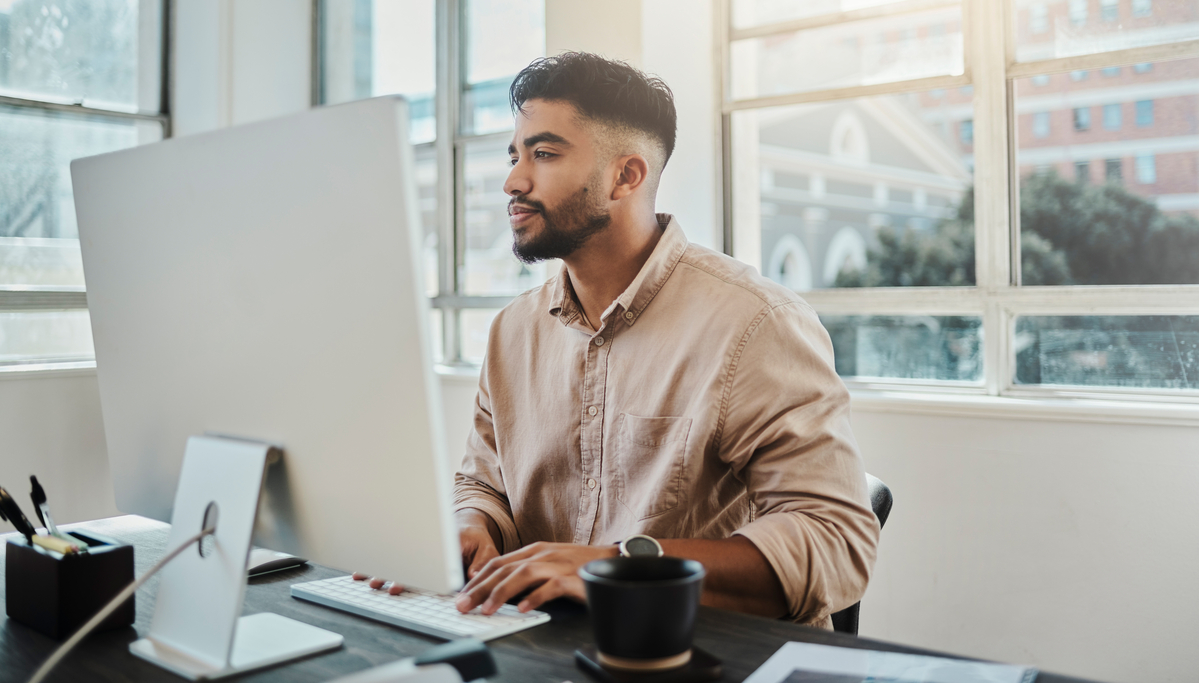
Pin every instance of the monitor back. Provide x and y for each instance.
(263, 282)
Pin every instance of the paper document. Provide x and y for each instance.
(808, 663)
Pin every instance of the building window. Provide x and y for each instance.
(1109, 10)
(1113, 170)
(1143, 67)
(1082, 118)
(1078, 75)
(1111, 71)
(1112, 116)
(1040, 124)
(105, 59)
(966, 130)
(1078, 12)
(1082, 171)
(1038, 17)
(1040, 80)
(1146, 166)
(1142, 8)
(1144, 113)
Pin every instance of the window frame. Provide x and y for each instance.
(991, 67)
(30, 298)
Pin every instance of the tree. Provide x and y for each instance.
(1071, 233)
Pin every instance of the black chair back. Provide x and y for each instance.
(846, 621)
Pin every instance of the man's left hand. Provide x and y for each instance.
(551, 568)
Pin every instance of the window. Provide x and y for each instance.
(1078, 12)
(1041, 283)
(1082, 171)
(1038, 17)
(1142, 8)
(1112, 116)
(1040, 124)
(1144, 113)
(76, 79)
(1146, 167)
(460, 129)
(1113, 170)
(1109, 10)
(1082, 118)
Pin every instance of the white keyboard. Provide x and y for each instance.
(417, 610)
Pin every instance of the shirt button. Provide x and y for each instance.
(628, 315)
(590, 483)
(592, 411)
(599, 341)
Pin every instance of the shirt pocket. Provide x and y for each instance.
(649, 462)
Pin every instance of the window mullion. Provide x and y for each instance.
(446, 113)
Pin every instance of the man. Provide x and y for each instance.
(653, 387)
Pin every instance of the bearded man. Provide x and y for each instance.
(653, 387)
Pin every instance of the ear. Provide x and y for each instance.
(632, 172)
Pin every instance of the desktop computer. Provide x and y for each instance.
(263, 283)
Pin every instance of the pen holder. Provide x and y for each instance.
(56, 594)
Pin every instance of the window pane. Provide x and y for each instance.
(491, 268)
(45, 337)
(948, 348)
(426, 191)
(381, 47)
(38, 235)
(872, 191)
(476, 324)
(86, 51)
(1109, 190)
(1160, 352)
(502, 37)
(758, 12)
(1046, 29)
(881, 50)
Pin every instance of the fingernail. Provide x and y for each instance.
(488, 606)
(463, 601)
(523, 606)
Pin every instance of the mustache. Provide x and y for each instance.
(527, 204)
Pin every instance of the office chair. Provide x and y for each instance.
(846, 621)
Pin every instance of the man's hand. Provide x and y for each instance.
(551, 568)
(478, 535)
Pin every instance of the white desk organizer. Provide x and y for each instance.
(196, 632)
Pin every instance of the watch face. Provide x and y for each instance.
(641, 546)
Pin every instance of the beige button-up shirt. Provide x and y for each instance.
(704, 405)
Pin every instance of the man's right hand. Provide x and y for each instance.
(479, 537)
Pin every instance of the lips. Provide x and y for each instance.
(518, 214)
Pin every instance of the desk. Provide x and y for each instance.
(542, 654)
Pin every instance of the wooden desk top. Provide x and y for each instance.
(540, 655)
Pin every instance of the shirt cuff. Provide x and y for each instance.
(775, 535)
(499, 514)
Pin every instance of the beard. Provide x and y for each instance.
(564, 229)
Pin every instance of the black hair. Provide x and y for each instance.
(604, 90)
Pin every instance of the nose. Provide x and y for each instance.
(518, 182)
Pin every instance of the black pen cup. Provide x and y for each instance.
(55, 594)
(643, 610)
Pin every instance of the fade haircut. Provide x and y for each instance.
(605, 91)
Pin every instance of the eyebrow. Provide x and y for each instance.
(541, 137)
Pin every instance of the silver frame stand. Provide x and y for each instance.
(197, 631)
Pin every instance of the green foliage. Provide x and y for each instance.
(1071, 233)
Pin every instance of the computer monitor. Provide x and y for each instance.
(264, 282)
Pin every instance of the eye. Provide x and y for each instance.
(512, 161)
(542, 154)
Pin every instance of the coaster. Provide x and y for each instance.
(702, 667)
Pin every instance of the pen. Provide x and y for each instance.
(10, 511)
(42, 507)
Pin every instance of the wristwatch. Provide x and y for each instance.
(640, 545)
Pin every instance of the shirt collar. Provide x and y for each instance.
(641, 290)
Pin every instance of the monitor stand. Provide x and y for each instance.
(198, 631)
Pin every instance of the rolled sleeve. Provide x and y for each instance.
(787, 436)
(479, 484)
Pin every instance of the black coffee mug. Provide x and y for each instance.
(643, 610)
